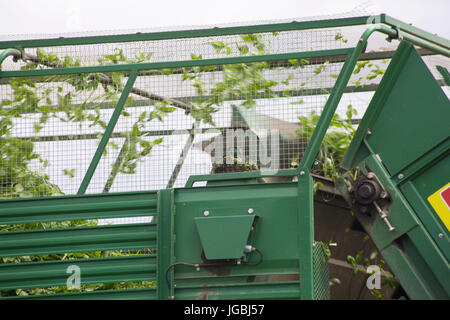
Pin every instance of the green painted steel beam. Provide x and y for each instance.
(409, 28)
(424, 43)
(237, 176)
(408, 275)
(108, 131)
(272, 64)
(247, 291)
(92, 271)
(174, 64)
(168, 35)
(79, 239)
(165, 243)
(305, 237)
(124, 294)
(73, 207)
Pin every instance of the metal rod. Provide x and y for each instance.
(383, 216)
(305, 203)
(422, 42)
(414, 31)
(9, 52)
(109, 129)
(271, 64)
(175, 64)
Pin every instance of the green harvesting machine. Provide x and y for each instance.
(181, 163)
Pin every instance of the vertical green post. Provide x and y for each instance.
(165, 242)
(109, 129)
(305, 181)
(305, 233)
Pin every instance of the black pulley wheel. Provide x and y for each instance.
(367, 191)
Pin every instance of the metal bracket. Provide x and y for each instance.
(383, 216)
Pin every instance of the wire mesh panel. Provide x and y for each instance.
(176, 121)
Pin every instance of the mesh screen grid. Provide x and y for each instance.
(64, 116)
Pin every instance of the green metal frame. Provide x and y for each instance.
(410, 164)
(166, 198)
(393, 28)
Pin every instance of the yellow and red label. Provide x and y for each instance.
(440, 201)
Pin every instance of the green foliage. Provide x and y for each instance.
(243, 81)
(340, 37)
(360, 261)
(16, 179)
(334, 145)
(374, 72)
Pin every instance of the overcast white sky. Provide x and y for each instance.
(52, 16)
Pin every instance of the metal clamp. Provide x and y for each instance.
(383, 216)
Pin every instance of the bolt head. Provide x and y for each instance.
(206, 213)
(400, 176)
(302, 173)
(441, 235)
(250, 210)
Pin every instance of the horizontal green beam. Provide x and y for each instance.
(174, 64)
(237, 175)
(272, 64)
(167, 35)
(409, 28)
(20, 211)
(92, 271)
(246, 291)
(81, 239)
(124, 294)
